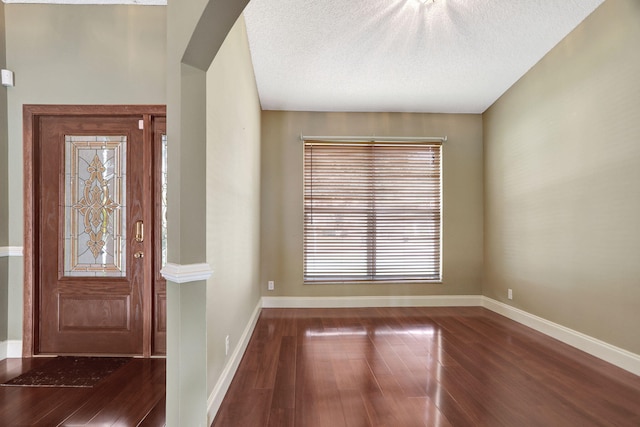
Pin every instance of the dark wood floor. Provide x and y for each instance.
(419, 367)
(132, 396)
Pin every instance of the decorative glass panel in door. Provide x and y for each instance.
(95, 217)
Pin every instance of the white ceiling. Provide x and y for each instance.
(448, 56)
(129, 2)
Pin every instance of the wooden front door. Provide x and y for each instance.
(94, 238)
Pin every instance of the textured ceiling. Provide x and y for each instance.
(129, 2)
(449, 56)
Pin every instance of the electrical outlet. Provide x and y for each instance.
(509, 293)
(226, 346)
(270, 285)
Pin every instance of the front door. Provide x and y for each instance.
(94, 233)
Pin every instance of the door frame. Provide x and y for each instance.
(31, 117)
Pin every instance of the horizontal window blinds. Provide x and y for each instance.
(372, 212)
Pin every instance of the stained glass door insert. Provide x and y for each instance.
(95, 206)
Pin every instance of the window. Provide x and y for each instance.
(372, 212)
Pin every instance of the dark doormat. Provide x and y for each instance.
(70, 371)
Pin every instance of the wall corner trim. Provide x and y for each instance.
(224, 381)
(186, 273)
(609, 353)
(11, 251)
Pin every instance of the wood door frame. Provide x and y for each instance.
(31, 116)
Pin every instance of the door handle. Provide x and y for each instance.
(138, 255)
(139, 231)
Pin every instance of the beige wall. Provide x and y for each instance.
(65, 54)
(281, 206)
(4, 201)
(562, 182)
(71, 54)
(233, 197)
(4, 211)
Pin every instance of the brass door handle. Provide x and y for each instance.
(139, 231)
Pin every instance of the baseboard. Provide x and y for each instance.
(600, 349)
(373, 301)
(224, 381)
(10, 349)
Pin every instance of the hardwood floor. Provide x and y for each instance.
(132, 396)
(419, 367)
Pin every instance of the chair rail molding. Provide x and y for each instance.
(179, 273)
(6, 251)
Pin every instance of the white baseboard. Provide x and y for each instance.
(224, 381)
(595, 347)
(10, 349)
(14, 348)
(373, 301)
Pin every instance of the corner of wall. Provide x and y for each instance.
(4, 185)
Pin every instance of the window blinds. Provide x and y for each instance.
(372, 212)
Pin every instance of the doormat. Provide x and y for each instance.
(70, 371)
